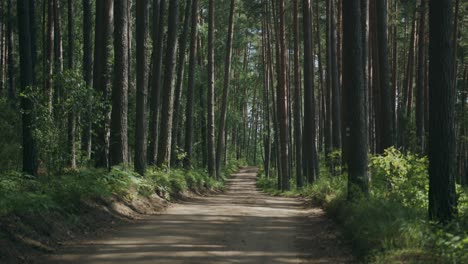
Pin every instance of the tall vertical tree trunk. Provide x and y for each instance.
(298, 98)
(282, 97)
(420, 87)
(177, 120)
(191, 87)
(442, 167)
(2, 46)
(455, 43)
(12, 94)
(87, 73)
(353, 82)
(365, 58)
(328, 96)
(410, 68)
(163, 157)
(227, 77)
(159, 9)
(26, 77)
(266, 103)
(386, 105)
(119, 117)
(49, 53)
(395, 72)
(142, 15)
(58, 42)
(335, 80)
(33, 28)
(211, 87)
(71, 124)
(101, 80)
(321, 79)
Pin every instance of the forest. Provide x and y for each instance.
(312, 131)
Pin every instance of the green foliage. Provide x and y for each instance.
(400, 177)
(10, 136)
(391, 225)
(50, 123)
(66, 192)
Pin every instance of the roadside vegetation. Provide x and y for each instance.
(389, 226)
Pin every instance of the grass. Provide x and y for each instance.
(391, 225)
(21, 193)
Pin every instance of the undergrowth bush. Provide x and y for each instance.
(65, 192)
(391, 225)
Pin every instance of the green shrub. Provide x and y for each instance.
(390, 226)
(400, 177)
(10, 136)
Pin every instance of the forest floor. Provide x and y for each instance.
(241, 225)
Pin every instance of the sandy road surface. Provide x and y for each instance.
(240, 226)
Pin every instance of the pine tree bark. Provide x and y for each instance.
(442, 157)
(211, 95)
(353, 82)
(101, 80)
(2, 47)
(227, 77)
(335, 81)
(164, 148)
(49, 54)
(26, 77)
(266, 104)
(71, 124)
(87, 73)
(420, 87)
(12, 93)
(58, 42)
(309, 134)
(282, 97)
(297, 101)
(119, 117)
(177, 120)
(384, 68)
(328, 94)
(191, 87)
(159, 10)
(142, 20)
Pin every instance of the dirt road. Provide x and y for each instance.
(240, 226)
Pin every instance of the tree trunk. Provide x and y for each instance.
(420, 89)
(101, 80)
(12, 94)
(191, 87)
(177, 120)
(353, 82)
(211, 92)
(282, 97)
(71, 124)
(49, 54)
(27, 77)
(298, 98)
(266, 104)
(142, 15)
(335, 80)
(328, 105)
(119, 124)
(2, 46)
(159, 9)
(227, 75)
(87, 73)
(442, 167)
(385, 103)
(163, 157)
(58, 42)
